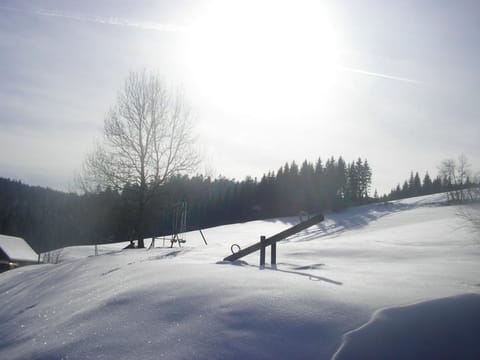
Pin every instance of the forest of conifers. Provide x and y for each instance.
(50, 219)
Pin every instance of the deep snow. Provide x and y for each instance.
(444, 328)
(334, 284)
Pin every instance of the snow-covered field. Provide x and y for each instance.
(384, 281)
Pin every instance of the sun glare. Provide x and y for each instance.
(264, 57)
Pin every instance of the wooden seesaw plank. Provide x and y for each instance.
(277, 237)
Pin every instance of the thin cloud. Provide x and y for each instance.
(384, 76)
(145, 25)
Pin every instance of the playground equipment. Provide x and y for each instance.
(179, 226)
(272, 241)
(179, 223)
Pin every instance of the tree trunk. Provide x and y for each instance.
(140, 218)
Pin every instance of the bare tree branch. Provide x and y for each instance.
(147, 140)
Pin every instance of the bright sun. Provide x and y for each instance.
(264, 56)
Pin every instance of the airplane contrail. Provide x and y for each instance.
(101, 20)
(165, 28)
(385, 76)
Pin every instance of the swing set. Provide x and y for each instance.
(179, 226)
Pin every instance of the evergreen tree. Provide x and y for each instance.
(319, 184)
(427, 187)
(405, 190)
(365, 179)
(411, 185)
(341, 183)
(417, 185)
(353, 184)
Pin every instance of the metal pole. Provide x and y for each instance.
(201, 233)
(262, 251)
(274, 253)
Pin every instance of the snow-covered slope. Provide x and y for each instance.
(185, 303)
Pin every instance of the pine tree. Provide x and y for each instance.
(417, 185)
(319, 185)
(405, 190)
(341, 182)
(427, 187)
(353, 183)
(411, 185)
(366, 179)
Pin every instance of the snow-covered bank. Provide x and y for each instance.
(181, 303)
(447, 328)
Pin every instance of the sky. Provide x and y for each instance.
(268, 81)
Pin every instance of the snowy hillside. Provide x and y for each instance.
(401, 278)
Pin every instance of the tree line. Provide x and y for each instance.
(414, 186)
(49, 219)
(290, 190)
(454, 178)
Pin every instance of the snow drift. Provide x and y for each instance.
(447, 328)
(184, 303)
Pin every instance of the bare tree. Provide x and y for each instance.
(471, 214)
(52, 256)
(456, 176)
(147, 140)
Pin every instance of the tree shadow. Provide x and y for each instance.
(309, 276)
(287, 220)
(295, 267)
(336, 224)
